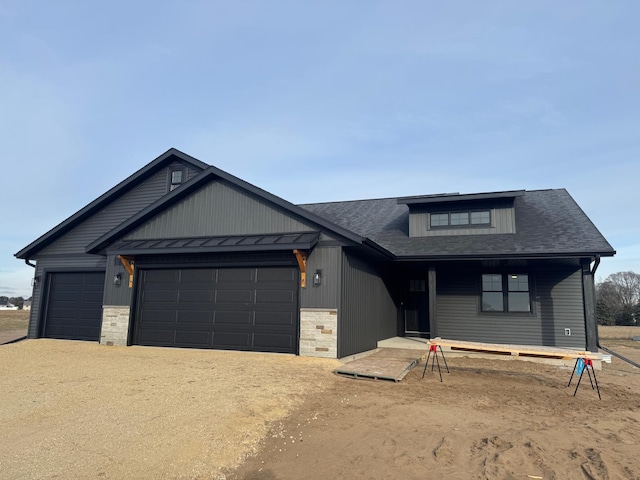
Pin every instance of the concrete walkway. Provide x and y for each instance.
(11, 336)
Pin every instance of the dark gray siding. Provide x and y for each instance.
(557, 304)
(219, 208)
(367, 312)
(328, 260)
(113, 215)
(116, 294)
(79, 262)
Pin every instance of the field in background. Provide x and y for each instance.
(13, 320)
(621, 333)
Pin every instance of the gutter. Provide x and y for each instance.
(624, 359)
(26, 260)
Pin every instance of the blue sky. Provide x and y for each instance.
(320, 101)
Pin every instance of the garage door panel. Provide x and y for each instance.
(231, 339)
(234, 296)
(157, 337)
(274, 318)
(225, 308)
(228, 317)
(276, 275)
(275, 296)
(186, 295)
(160, 295)
(194, 339)
(272, 341)
(74, 306)
(161, 276)
(194, 316)
(235, 275)
(197, 275)
(149, 316)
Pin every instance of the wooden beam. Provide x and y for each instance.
(302, 263)
(129, 266)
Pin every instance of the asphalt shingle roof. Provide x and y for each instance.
(548, 222)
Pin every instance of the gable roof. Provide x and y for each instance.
(211, 174)
(110, 196)
(549, 223)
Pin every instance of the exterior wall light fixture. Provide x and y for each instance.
(317, 278)
(117, 279)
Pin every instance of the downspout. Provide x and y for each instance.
(624, 359)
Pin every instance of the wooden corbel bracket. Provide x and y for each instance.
(128, 263)
(302, 263)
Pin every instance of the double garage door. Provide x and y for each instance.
(222, 308)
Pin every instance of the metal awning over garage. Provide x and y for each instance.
(219, 244)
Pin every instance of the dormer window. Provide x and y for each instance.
(176, 179)
(457, 219)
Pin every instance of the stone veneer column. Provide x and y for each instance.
(115, 325)
(319, 332)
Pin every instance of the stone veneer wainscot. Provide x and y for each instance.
(319, 332)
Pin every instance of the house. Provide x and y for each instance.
(8, 306)
(26, 305)
(183, 254)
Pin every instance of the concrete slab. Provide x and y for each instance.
(11, 336)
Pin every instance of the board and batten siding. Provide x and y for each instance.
(326, 294)
(556, 304)
(219, 208)
(367, 311)
(502, 221)
(117, 295)
(76, 263)
(114, 214)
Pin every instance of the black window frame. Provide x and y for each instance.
(508, 294)
(173, 185)
(469, 223)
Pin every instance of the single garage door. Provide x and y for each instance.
(223, 308)
(74, 306)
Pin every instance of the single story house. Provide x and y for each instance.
(183, 254)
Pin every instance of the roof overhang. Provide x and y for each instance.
(102, 201)
(218, 244)
(524, 256)
(457, 197)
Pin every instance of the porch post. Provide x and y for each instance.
(433, 317)
(589, 301)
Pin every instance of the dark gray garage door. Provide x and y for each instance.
(74, 306)
(223, 308)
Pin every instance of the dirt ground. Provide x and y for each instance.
(77, 410)
(490, 419)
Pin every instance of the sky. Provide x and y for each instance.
(321, 101)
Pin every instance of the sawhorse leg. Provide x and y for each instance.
(588, 363)
(434, 360)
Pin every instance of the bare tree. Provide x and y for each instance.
(618, 299)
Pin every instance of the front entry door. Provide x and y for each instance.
(416, 313)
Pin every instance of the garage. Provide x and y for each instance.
(74, 306)
(243, 308)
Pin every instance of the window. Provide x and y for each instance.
(506, 293)
(456, 219)
(176, 179)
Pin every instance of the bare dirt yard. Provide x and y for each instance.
(489, 419)
(79, 410)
